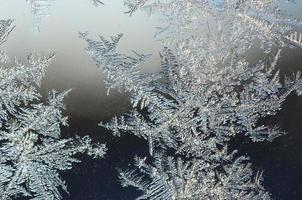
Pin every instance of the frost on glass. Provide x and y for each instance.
(32, 150)
(295, 38)
(97, 2)
(174, 178)
(40, 9)
(206, 94)
(235, 23)
(5, 29)
(127, 75)
(33, 153)
(19, 82)
(193, 104)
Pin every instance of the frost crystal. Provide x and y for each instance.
(173, 178)
(218, 104)
(18, 84)
(5, 29)
(126, 75)
(32, 151)
(206, 93)
(97, 2)
(224, 25)
(40, 10)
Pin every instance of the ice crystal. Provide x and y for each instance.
(295, 38)
(40, 10)
(5, 29)
(206, 93)
(126, 75)
(32, 150)
(97, 2)
(173, 178)
(222, 103)
(225, 25)
(19, 82)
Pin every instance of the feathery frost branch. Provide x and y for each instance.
(206, 94)
(32, 151)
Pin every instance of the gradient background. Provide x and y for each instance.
(88, 104)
